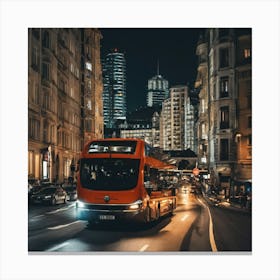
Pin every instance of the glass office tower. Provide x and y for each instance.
(114, 88)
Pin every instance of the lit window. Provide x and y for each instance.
(224, 83)
(224, 114)
(247, 53)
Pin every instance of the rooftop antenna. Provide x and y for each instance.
(158, 67)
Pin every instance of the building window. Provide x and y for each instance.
(88, 125)
(46, 40)
(224, 57)
(72, 68)
(30, 163)
(224, 85)
(224, 115)
(247, 53)
(72, 92)
(249, 140)
(35, 59)
(46, 71)
(45, 133)
(77, 73)
(224, 149)
(62, 85)
(34, 129)
(202, 106)
(250, 122)
(203, 131)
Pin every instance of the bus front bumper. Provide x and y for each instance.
(109, 212)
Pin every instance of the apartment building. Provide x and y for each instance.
(224, 129)
(57, 119)
(177, 121)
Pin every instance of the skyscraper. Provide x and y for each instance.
(114, 88)
(177, 120)
(157, 90)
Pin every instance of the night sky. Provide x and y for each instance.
(143, 47)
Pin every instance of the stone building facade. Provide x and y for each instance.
(224, 80)
(56, 113)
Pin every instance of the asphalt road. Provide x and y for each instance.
(196, 225)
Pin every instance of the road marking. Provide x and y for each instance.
(211, 232)
(144, 248)
(55, 248)
(185, 217)
(71, 205)
(36, 217)
(62, 226)
(58, 210)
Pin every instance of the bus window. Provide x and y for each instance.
(151, 180)
(109, 173)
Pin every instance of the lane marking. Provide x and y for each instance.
(62, 226)
(38, 216)
(58, 246)
(185, 217)
(57, 210)
(144, 248)
(211, 232)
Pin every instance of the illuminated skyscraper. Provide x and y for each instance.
(114, 88)
(177, 121)
(157, 90)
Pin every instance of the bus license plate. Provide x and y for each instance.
(106, 217)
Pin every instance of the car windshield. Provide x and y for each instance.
(109, 173)
(48, 191)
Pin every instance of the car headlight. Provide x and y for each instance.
(80, 204)
(47, 196)
(136, 205)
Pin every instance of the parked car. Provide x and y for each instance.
(71, 191)
(34, 189)
(50, 195)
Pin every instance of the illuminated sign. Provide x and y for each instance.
(121, 147)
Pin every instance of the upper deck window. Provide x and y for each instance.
(120, 147)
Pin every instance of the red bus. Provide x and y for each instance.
(121, 179)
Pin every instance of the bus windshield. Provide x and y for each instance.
(109, 173)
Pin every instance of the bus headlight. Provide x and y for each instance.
(80, 204)
(136, 205)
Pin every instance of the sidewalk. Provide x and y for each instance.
(224, 203)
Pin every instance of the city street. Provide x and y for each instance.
(196, 225)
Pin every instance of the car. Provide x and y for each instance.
(49, 195)
(71, 191)
(32, 190)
